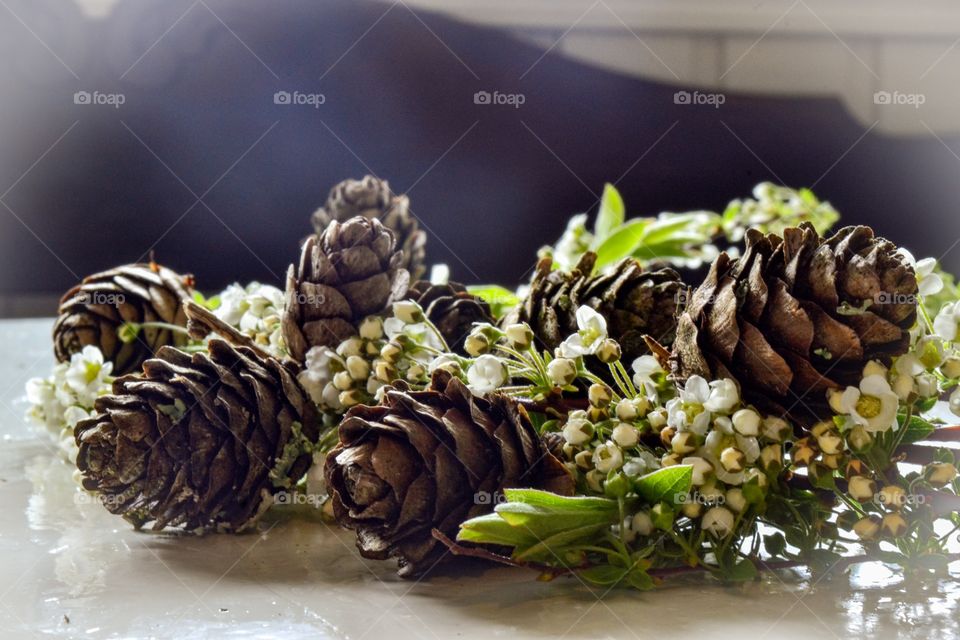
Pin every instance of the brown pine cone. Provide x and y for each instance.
(372, 198)
(431, 459)
(451, 308)
(798, 315)
(633, 301)
(349, 272)
(92, 313)
(198, 441)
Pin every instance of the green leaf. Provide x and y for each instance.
(742, 571)
(492, 529)
(622, 242)
(611, 214)
(603, 575)
(552, 546)
(548, 500)
(665, 485)
(917, 430)
(640, 580)
(499, 298)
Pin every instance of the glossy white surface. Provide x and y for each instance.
(70, 569)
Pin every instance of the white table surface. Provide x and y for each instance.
(70, 569)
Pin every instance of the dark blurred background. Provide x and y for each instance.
(136, 126)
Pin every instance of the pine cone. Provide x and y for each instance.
(431, 459)
(372, 198)
(451, 308)
(788, 320)
(92, 312)
(349, 272)
(198, 441)
(634, 302)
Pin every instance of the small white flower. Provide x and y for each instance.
(929, 283)
(86, 374)
(486, 374)
(658, 418)
(625, 435)
(776, 428)
(644, 370)
(736, 500)
(724, 396)
(641, 523)
(945, 324)
(607, 457)
(408, 311)
(592, 331)
(873, 406)
(371, 328)
(955, 402)
(718, 521)
(701, 469)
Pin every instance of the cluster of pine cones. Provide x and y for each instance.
(204, 441)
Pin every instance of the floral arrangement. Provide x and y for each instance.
(607, 420)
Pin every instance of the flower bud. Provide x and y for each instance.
(626, 410)
(701, 470)
(608, 351)
(832, 462)
(577, 431)
(584, 460)
(342, 381)
(350, 347)
(520, 335)
(666, 435)
(607, 457)
(867, 528)
(562, 371)
(776, 429)
(861, 488)
(684, 442)
(476, 344)
(746, 422)
(670, 459)
(803, 452)
(735, 500)
(371, 328)
(391, 352)
(642, 523)
(893, 497)
(718, 521)
(951, 367)
(859, 439)
(408, 311)
(600, 395)
(595, 480)
(625, 435)
(692, 509)
(940, 474)
(830, 442)
(732, 460)
(855, 467)
(771, 457)
(358, 368)
(416, 373)
(385, 371)
(894, 525)
(657, 418)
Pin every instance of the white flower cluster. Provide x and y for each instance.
(254, 310)
(401, 347)
(730, 446)
(60, 401)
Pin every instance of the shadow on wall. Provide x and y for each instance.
(208, 133)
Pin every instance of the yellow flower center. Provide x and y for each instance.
(869, 406)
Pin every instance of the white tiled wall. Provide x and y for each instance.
(850, 49)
